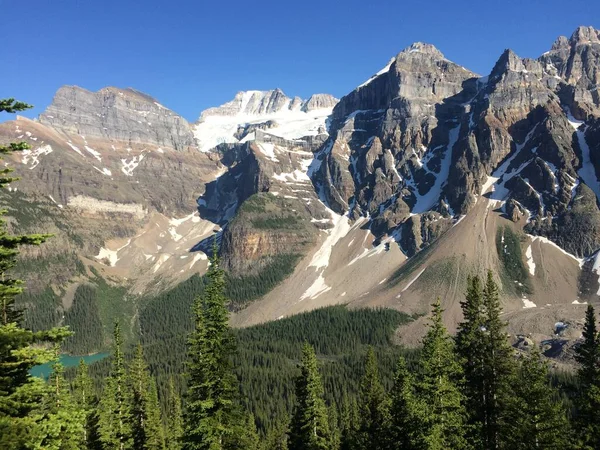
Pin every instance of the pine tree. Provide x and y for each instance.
(537, 420)
(174, 419)
(85, 396)
(404, 410)
(444, 419)
(114, 419)
(587, 354)
(212, 414)
(21, 395)
(499, 367)
(146, 427)
(309, 429)
(373, 408)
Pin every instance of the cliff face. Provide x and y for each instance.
(117, 114)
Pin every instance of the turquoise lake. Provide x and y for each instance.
(44, 370)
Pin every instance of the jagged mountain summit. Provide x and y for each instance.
(391, 195)
(236, 121)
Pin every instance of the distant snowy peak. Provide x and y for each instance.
(264, 103)
(289, 118)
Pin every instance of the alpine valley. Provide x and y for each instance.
(390, 196)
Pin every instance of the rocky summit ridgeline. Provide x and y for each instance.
(391, 195)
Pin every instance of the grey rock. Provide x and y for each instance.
(117, 114)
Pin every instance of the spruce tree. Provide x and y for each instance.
(587, 354)
(373, 408)
(21, 395)
(537, 419)
(64, 418)
(276, 438)
(404, 410)
(444, 416)
(146, 427)
(85, 396)
(174, 418)
(309, 428)
(114, 419)
(471, 348)
(349, 423)
(212, 416)
(499, 368)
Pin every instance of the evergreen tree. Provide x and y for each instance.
(64, 419)
(309, 429)
(587, 354)
(146, 427)
(471, 347)
(443, 423)
(404, 410)
(114, 419)
(174, 418)
(212, 415)
(373, 408)
(85, 396)
(334, 427)
(276, 438)
(349, 422)
(498, 365)
(21, 395)
(537, 420)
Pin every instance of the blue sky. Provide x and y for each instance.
(191, 55)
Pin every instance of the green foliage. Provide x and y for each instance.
(536, 419)
(443, 415)
(146, 426)
(84, 320)
(587, 354)
(373, 408)
(84, 394)
(287, 222)
(174, 429)
(211, 415)
(114, 421)
(241, 290)
(23, 421)
(309, 428)
(515, 276)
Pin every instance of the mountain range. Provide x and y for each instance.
(390, 196)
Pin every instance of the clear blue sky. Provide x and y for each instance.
(191, 55)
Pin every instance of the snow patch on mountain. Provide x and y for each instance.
(33, 156)
(386, 69)
(291, 118)
(427, 201)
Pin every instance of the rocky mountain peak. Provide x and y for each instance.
(508, 61)
(255, 103)
(585, 35)
(422, 48)
(319, 101)
(561, 42)
(119, 114)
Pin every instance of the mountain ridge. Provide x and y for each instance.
(423, 150)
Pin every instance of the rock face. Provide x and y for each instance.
(117, 114)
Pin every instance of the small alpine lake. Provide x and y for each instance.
(44, 370)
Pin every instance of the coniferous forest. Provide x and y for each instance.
(326, 380)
